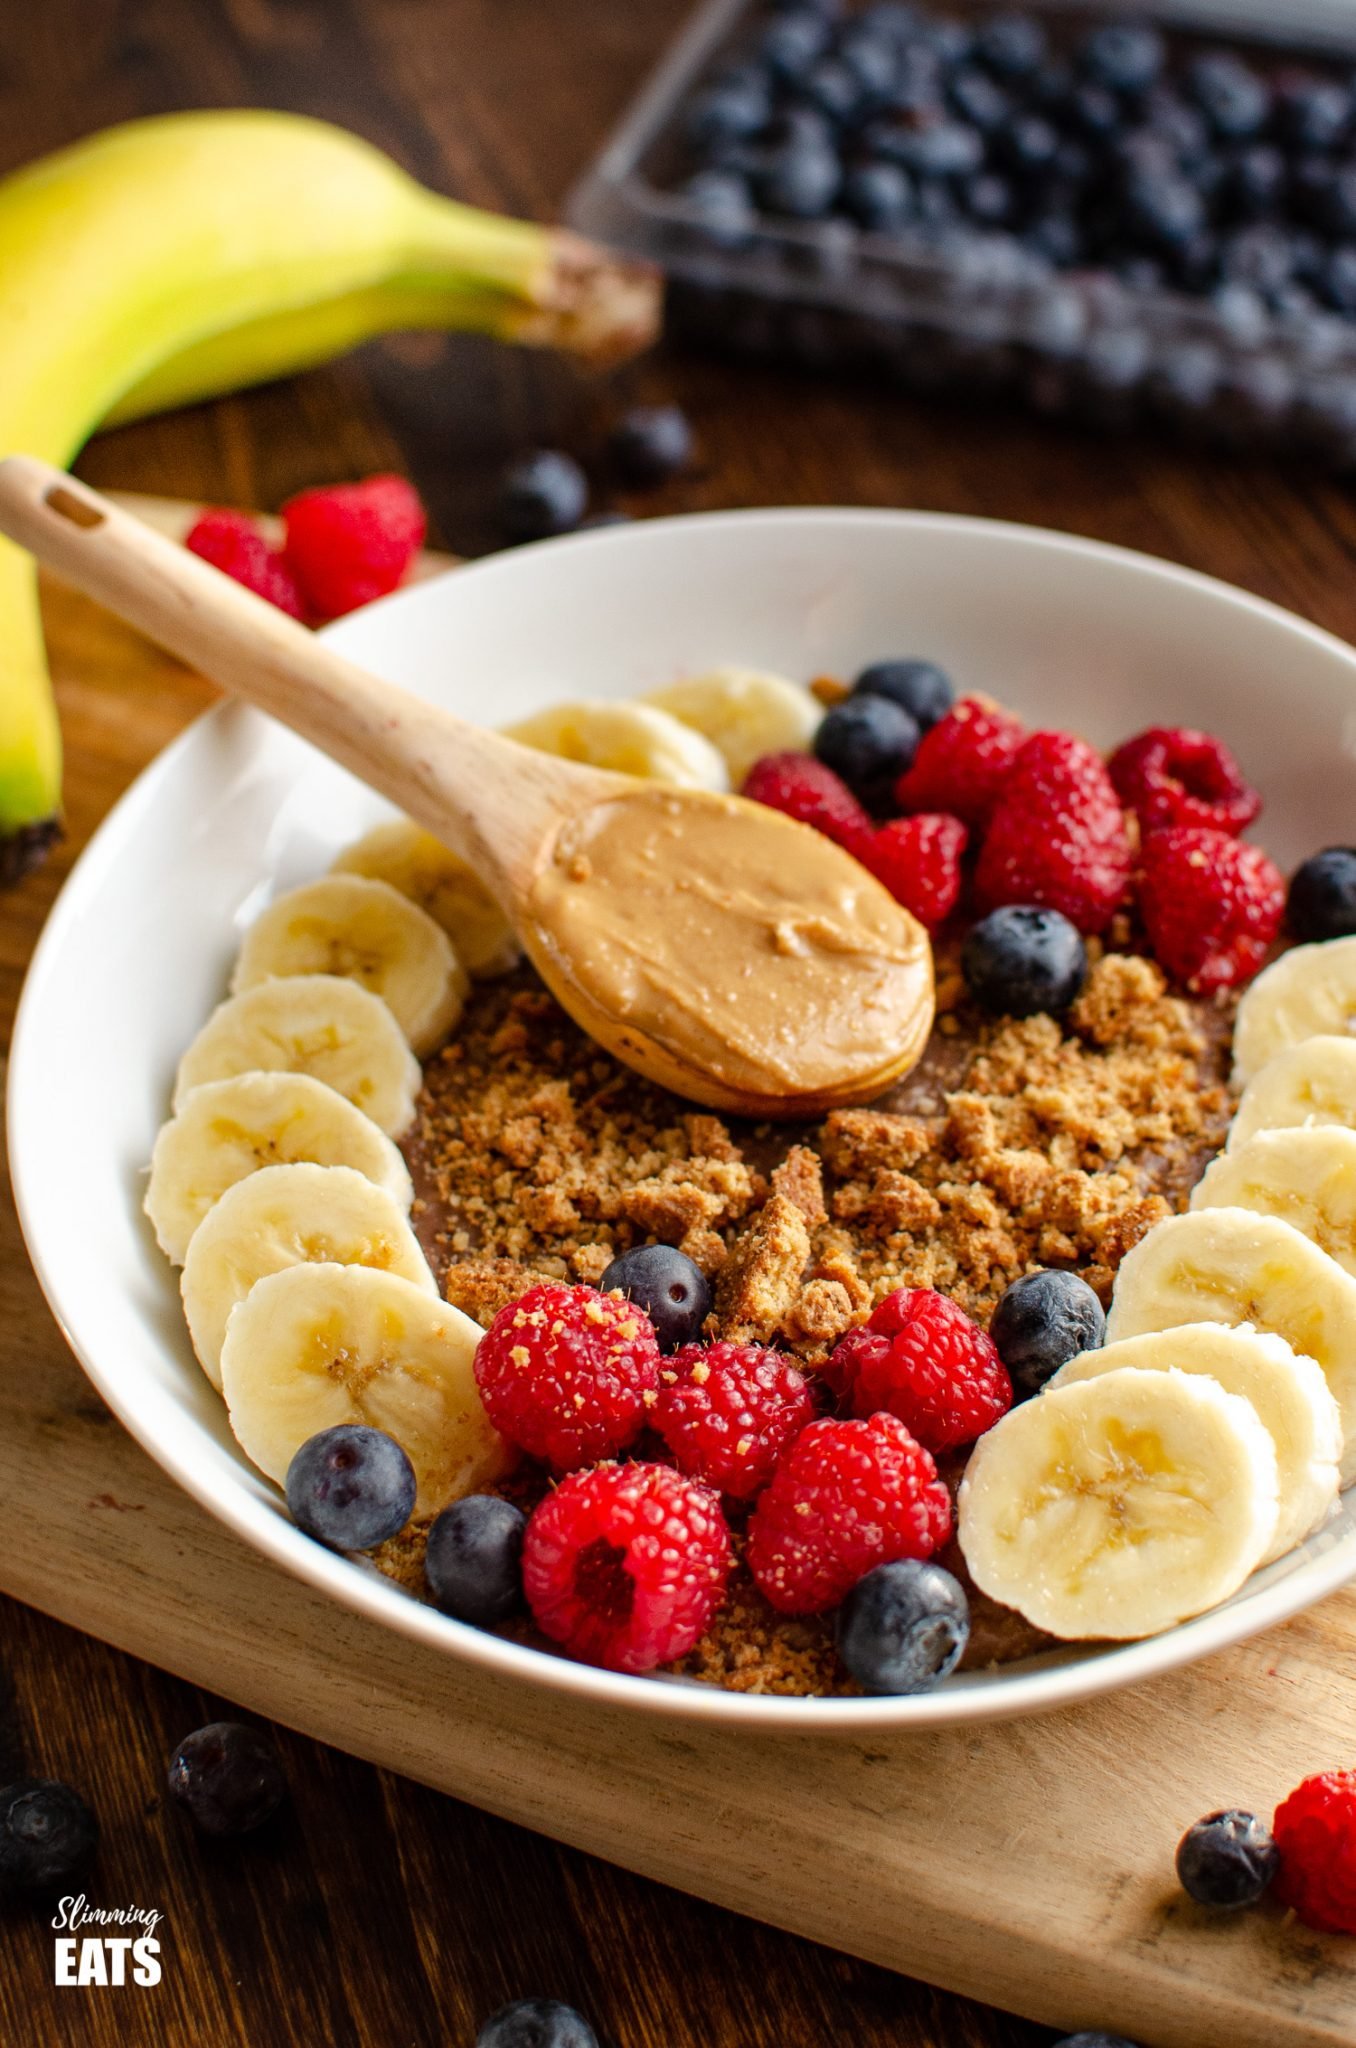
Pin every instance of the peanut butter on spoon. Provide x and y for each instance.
(730, 954)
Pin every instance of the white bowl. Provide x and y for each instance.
(137, 949)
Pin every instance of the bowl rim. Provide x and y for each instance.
(1063, 1676)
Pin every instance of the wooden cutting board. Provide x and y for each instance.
(1028, 1864)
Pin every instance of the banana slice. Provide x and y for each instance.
(744, 712)
(1306, 1177)
(1120, 1505)
(1308, 1084)
(370, 933)
(634, 739)
(1308, 991)
(1231, 1266)
(442, 884)
(1291, 1396)
(318, 1345)
(319, 1024)
(290, 1216)
(228, 1129)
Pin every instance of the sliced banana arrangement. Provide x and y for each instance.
(442, 885)
(1308, 1085)
(318, 1345)
(318, 1024)
(228, 1129)
(368, 932)
(1293, 1401)
(1310, 990)
(1116, 1506)
(744, 712)
(1306, 1176)
(289, 1216)
(633, 739)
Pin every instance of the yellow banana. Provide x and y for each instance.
(180, 256)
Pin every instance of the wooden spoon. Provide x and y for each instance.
(720, 949)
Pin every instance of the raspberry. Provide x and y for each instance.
(804, 788)
(846, 1497)
(919, 861)
(1211, 905)
(1315, 1831)
(729, 1413)
(962, 762)
(922, 1359)
(1171, 775)
(626, 1565)
(1057, 835)
(232, 542)
(350, 543)
(568, 1374)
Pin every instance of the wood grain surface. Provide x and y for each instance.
(381, 1915)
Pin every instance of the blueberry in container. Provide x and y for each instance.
(1149, 220)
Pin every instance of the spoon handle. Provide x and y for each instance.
(480, 793)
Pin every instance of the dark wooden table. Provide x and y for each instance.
(380, 1915)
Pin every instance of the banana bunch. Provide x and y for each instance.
(276, 1185)
(175, 258)
(1213, 1430)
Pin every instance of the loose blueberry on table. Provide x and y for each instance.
(48, 1836)
(227, 1778)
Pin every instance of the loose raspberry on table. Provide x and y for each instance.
(626, 1566)
(920, 1358)
(1315, 1831)
(846, 1497)
(568, 1374)
(1172, 775)
(349, 543)
(728, 1412)
(804, 788)
(1211, 905)
(919, 861)
(232, 542)
(963, 762)
(1057, 836)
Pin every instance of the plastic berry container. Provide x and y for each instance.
(1242, 337)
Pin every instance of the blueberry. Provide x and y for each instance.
(1187, 379)
(988, 199)
(674, 1293)
(350, 1487)
(793, 43)
(1254, 180)
(1162, 208)
(873, 60)
(536, 2023)
(1041, 1322)
(945, 149)
(543, 494)
(903, 1628)
(726, 113)
(978, 100)
(650, 443)
(1313, 113)
(1021, 960)
(1011, 44)
(800, 180)
(1123, 56)
(227, 1778)
(1321, 903)
(832, 89)
(47, 1836)
(1057, 237)
(878, 195)
(1227, 1860)
(1181, 127)
(1262, 256)
(919, 687)
(1030, 144)
(1094, 112)
(474, 1559)
(869, 740)
(1234, 100)
(722, 207)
